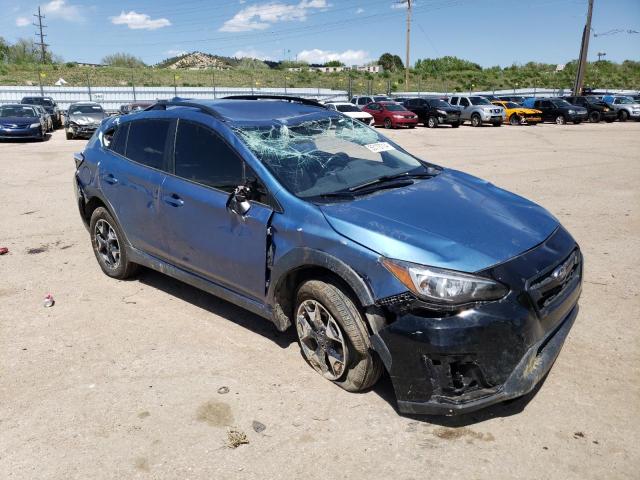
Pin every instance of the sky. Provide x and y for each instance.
(488, 32)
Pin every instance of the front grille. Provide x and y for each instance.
(550, 286)
(400, 298)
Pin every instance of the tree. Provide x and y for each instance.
(123, 60)
(334, 63)
(391, 63)
(252, 64)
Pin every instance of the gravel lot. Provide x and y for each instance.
(120, 379)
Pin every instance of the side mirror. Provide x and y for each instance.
(238, 201)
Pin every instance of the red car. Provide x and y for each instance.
(391, 115)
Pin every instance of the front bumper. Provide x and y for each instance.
(12, 133)
(81, 130)
(405, 121)
(448, 364)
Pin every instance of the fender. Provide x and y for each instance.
(303, 257)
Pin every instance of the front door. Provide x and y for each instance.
(203, 235)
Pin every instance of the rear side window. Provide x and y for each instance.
(464, 102)
(119, 141)
(146, 142)
(203, 157)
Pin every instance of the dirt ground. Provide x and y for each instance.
(124, 379)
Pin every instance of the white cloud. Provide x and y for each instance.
(252, 53)
(359, 11)
(175, 52)
(139, 21)
(348, 57)
(62, 9)
(22, 22)
(261, 16)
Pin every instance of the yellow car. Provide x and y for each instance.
(519, 115)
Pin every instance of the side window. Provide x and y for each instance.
(362, 101)
(453, 101)
(617, 101)
(146, 142)
(546, 104)
(119, 140)
(203, 157)
(464, 102)
(374, 106)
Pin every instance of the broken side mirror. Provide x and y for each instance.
(239, 200)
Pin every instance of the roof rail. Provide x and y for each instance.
(163, 104)
(289, 98)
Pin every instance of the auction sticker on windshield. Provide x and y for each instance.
(379, 147)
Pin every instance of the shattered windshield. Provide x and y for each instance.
(84, 109)
(328, 155)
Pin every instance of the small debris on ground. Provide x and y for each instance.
(48, 301)
(235, 438)
(222, 390)
(258, 427)
(578, 435)
(3, 250)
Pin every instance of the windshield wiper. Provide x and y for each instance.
(387, 178)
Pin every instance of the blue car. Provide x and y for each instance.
(21, 122)
(463, 292)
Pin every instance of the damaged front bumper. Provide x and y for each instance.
(458, 362)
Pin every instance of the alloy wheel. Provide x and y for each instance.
(107, 244)
(321, 339)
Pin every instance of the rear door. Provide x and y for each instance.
(131, 177)
(203, 235)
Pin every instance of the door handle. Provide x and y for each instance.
(174, 200)
(110, 179)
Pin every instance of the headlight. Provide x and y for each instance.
(571, 112)
(445, 287)
(441, 112)
(34, 125)
(398, 116)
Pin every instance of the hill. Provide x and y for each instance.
(198, 61)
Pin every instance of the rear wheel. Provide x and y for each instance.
(476, 121)
(333, 336)
(623, 116)
(594, 117)
(107, 240)
(432, 122)
(387, 123)
(514, 119)
(560, 120)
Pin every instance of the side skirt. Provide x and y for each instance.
(161, 266)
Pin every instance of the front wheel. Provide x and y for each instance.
(476, 121)
(560, 120)
(69, 135)
(623, 115)
(107, 240)
(387, 123)
(432, 122)
(594, 117)
(514, 120)
(333, 336)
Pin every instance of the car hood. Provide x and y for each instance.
(87, 117)
(453, 221)
(18, 120)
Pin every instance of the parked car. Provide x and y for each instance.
(625, 106)
(49, 105)
(511, 98)
(557, 110)
(478, 110)
(350, 110)
(463, 291)
(83, 118)
(46, 117)
(391, 115)
(21, 121)
(433, 111)
(597, 109)
(363, 101)
(134, 107)
(491, 98)
(519, 115)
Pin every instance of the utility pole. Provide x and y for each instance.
(43, 46)
(407, 58)
(584, 48)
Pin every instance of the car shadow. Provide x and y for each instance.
(384, 389)
(216, 306)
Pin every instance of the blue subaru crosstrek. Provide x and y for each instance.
(463, 292)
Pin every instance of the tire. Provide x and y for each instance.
(455, 124)
(108, 245)
(514, 119)
(476, 121)
(69, 135)
(594, 117)
(432, 122)
(387, 123)
(560, 120)
(341, 328)
(623, 116)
